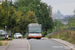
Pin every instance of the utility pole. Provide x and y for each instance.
(23, 21)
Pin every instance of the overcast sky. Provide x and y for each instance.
(66, 7)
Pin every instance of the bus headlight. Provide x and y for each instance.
(40, 35)
(29, 35)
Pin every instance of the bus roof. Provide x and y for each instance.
(34, 24)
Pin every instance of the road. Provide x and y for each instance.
(45, 44)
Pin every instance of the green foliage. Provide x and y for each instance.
(0, 38)
(46, 36)
(71, 23)
(31, 17)
(63, 38)
(24, 36)
(70, 40)
(3, 14)
(59, 25)
(41, 10)
(6, 44)
(49, 36)
(0, 44)
(43, 33)
(24, 12)
(67, 35)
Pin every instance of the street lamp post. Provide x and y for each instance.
(7, 14)
(38, 13)
(10, 13)
(11, 17)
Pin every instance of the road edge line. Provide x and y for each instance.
(28, 44)
(63, 44)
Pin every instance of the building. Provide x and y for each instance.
(58, 15)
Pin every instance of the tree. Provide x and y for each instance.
(58, 25)
(13, 16)
(46, 19)
(40, 9)
(27, 19)
(31, 17)
(3, 15)
(29, 11)
(71, 23)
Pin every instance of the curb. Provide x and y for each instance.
(7, 45)
(63, 44)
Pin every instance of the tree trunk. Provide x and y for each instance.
(45, 32)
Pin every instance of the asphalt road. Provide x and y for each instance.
(45, 44)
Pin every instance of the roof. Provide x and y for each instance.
(34, 24)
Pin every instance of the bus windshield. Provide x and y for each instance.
(35, 29)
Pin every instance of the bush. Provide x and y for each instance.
(24, 36)
(46, 36)
(43, 33)
(70, 40)
(12, 35)
(6, 44)
(49, 36)
(67, 35)
(0, 38)
(73, 36)
(63, 38)
(0, 44)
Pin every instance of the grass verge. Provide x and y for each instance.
(66, 35)
(3, 42)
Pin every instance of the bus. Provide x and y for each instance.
(34, 31)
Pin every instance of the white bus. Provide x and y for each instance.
(34, 31)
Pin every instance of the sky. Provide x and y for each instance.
(66, 7)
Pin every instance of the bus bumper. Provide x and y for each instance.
(34, 36)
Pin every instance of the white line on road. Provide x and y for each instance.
(28, 44)
(66, 47)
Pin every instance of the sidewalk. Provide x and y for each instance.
(18, 44)
(3, 47)
(71, 46)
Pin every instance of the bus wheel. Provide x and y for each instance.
(28, 38)
(38, 38)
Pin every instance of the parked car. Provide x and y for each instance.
(17, 35)
(3, 34)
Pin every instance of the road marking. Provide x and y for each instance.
(28, 44)
(66, 47)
